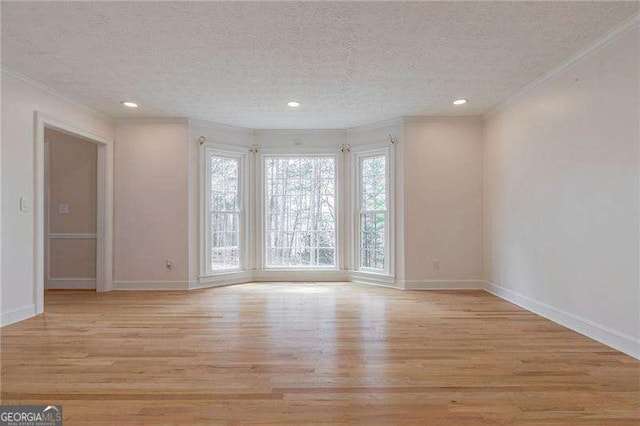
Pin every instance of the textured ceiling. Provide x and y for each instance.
(349, 64)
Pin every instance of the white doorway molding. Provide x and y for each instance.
(104, 252)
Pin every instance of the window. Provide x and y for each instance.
(300, 211)
(223, 215)
(295, 213)
(373, 211)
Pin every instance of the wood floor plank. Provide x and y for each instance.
(311, 354)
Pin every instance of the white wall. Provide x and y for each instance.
(562, 183)
(443, 190)
(300, 139)
(20, 100)
(151, 204)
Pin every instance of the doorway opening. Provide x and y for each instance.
(73, 207)
(70, 220)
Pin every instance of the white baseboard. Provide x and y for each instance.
(71, 284)
(331, 275)
(221, 280)
(16, 315)
(150, 285)
(376, 284)
(380, 280)
(443, 285)
(601, 333)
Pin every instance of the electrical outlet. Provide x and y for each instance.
(169, 264)
(436, 264)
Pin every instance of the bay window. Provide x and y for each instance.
(279, 215)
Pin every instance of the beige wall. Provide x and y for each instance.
(562, 185)
(151, 203)
(72, 180)
(72, 258)
(73, 171)
(443, 201)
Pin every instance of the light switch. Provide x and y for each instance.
(63, 209)
(25, 204)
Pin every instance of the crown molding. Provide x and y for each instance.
(626, 25)
(298, 133)
(375, 126)
(53, 92)
(152, 120)
(422, 119)
(219, 126)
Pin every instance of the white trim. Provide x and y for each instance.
(376, 284)
(580, 56)
(289, 133)
(223, 279)
(16, 315)
(409, 120)
(360, 277)
(241, 154)
(61, 236)
(152, 120)
(246, 131)
(601, 333)
(443, 285)
(312, 275)
(384, 124)
(260, 209)
(358, 153)
(151, 285)
(104, 235)
(40, 86)
(201, 286)
(71, 284)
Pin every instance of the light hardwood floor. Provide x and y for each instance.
(311, 353)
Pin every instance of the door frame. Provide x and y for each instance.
(104, 229)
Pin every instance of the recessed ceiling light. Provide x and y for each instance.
(460, 102)
(130, 104)
(294, 104)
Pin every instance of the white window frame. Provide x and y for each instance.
(261, 256)
(358, 154)
(206, 150)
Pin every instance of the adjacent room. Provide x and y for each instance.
(320, 213)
